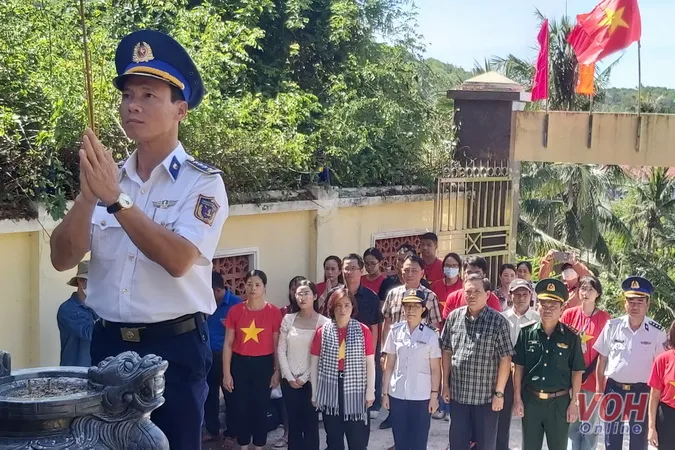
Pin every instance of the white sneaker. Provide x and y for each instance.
(374, 414)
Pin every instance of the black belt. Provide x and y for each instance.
(140, 332)
(547, 395)
(628, 386)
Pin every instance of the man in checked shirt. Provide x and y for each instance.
(477, 352)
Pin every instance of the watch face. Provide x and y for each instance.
(125, 201)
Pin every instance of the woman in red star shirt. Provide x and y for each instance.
(589, 321)
(343, 374)
(662, 397)
(372, 260)
(250, 365)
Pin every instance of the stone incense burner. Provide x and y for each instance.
(106, 407)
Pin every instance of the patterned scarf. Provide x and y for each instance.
(354, 373)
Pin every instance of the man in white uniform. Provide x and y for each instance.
(152, 227)
(628, 346)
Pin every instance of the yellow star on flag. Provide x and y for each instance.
(614, 19)
(252, 332)
(585, 337)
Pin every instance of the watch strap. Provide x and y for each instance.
(115, 207)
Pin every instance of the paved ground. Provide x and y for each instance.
(438, 437)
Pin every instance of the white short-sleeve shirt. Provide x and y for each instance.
(630, 354)
(411, 379)
(182, 195)
(517, 322)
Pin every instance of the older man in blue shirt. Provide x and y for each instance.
(225, 300)
(76, 322)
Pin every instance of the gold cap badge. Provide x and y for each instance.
(635, 285)
(550, 287)
(142, 53)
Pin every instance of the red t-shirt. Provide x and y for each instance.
(372, 285)
(589, 330)
(315, 349)
(457, 299)
(253, 330)
(433, 271)
(442, 290)
(663, 377)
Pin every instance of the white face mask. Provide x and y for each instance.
(451, 272)
(569, 275)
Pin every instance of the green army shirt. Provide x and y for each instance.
(549, 361)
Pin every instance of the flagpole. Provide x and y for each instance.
(639, 105)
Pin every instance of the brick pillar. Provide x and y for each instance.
(484, 107)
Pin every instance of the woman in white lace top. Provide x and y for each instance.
(297, 331)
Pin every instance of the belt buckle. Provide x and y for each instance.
(131, 334)
(543, 395)
(626, 387)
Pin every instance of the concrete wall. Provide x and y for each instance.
(287, 238)
(614, 138)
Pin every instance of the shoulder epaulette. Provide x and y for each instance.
(656, 325)
(572, 329)
(203, 167)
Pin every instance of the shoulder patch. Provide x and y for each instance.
(203, 167)
(655, 325)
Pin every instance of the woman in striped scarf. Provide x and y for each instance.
(343, 374)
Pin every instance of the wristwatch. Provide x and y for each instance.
(123, 202)
(499, 394)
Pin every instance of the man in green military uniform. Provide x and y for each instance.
(548, 367)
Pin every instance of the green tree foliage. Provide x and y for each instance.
(292, 86)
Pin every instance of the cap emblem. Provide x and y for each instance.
(550, 287)
(635, 285)
(142, 53)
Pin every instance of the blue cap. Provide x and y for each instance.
(637, 287)
(157, 55)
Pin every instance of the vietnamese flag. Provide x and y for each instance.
(540, 85)
(612, 26)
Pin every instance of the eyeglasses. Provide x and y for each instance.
(351, 269)
(304, 293)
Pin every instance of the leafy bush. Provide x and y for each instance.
(292, 87)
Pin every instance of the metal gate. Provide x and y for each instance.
(474, 214)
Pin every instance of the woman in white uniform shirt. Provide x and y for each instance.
(297, 332)
(412, 375)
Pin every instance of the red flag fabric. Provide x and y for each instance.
(586, 81)
(540, 85)
(612, 26)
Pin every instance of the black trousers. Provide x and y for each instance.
(189, 357)
(638, 425)
(251, 397)
(357, 431)
(504, 425)
(303, 418)
(212, 405)
(665, 426)
(473, 422)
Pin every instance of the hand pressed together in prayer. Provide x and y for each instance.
(99, 174)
